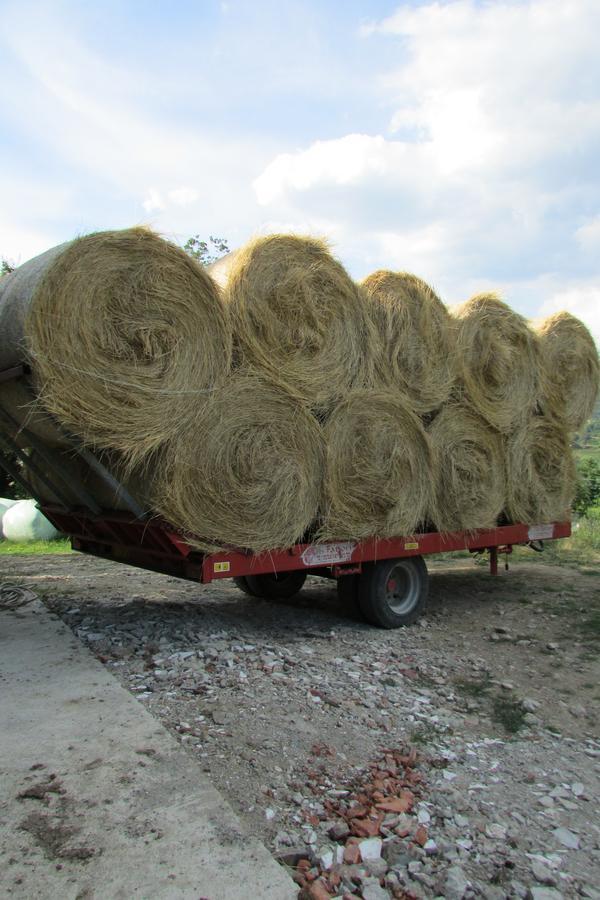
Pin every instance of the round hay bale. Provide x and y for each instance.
(498, 361)
(297, 315)
(125, 331)
(246, 469)
(572, 369)
(541, 474)
(416, 336)
(378, 468)
(470, 490)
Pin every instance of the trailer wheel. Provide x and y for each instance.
(242, 583)
(393, 592)
(274, 586)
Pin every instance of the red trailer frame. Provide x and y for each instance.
(155, 545)
(391, 586)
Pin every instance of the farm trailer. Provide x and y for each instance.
(386, 577)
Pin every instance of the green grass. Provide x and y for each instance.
(473, 687)
(509, 713)
(591, 452)
(581, 550)
(34, 548)
(590, 627)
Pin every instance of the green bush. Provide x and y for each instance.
(588, 485)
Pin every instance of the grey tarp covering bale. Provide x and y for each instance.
(16, 292)
(17, 398)
(105, 496)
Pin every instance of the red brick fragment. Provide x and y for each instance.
(357, 812)
(367, 827)
(318, 890)
(400, 804)
(420, 836)
(351, 854)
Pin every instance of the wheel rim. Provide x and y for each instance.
(402, 590)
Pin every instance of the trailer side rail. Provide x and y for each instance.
(153, 544)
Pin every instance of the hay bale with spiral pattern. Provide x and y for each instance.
(378, 468)
(572, 369)
(124, 331)
(298, 316)
(540, 471)
(246, 469)
(469, 473)
(416, 338)
(498, 361)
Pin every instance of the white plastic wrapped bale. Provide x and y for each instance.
(23, 522)
(4, 505)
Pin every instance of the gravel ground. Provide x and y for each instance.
(457, 758)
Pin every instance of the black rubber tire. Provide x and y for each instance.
(347, 588)
(393, 593)
(280, 586)
(242, 583)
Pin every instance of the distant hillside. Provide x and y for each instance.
(587, 442)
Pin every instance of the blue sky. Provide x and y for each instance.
(459, 140)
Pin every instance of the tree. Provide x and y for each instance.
(6, 267)
(588, 486)
(206, 252)
(8, 486)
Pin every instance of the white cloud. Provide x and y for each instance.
(18, 243)
(183, 196)
(490, 162)
(582, 301)
(101, 128)
(158, 201)
(153, 201)
(345, 161)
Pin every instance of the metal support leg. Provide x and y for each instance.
(493, 560)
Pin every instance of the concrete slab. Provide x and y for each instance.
(116, 807)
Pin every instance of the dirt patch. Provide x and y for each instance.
(288, 704)
(55, 838)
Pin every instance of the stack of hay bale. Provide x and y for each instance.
(272, 399)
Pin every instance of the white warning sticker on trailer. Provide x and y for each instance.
(323, 554)
(541, 532)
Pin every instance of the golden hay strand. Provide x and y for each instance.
(246, 470)
(124, 331)
(540, 471)
(469, 470)
(378, 467)
(297, 315)
(498, 360)
(416, 336)
(572, 368)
